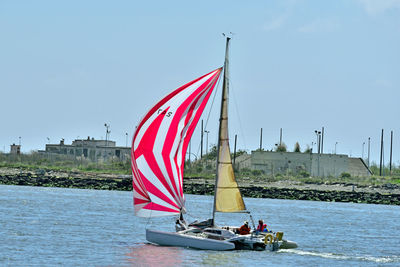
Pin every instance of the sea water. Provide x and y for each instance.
(42, 226)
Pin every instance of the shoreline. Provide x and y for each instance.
(386, 194)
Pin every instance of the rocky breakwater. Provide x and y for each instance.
(385, 194)
(66, 179)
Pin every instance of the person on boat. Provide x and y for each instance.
(262, 227)
(244, 229)
(180, 223)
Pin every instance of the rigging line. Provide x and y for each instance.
(190, 215)
(209, 112)
(148, 218)
(238, 116)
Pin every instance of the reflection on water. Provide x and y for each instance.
(152, 255)
(227, 258)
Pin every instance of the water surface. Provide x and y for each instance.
(75, 227)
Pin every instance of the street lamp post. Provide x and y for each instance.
(107, 133)
(335, 147)
(318, 133)
(207, 132)
(126, 139)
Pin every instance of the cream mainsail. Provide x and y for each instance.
(227, 196)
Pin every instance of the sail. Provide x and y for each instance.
(227, 195)
(159, 147)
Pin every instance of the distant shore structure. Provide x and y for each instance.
(91, 149)
(313, 164)
(15, 149)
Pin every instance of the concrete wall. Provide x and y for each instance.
(323, 165)
(357, 167)
(243, 161)
(280, 162)
(329, 165)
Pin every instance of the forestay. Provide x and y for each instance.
(159, 147)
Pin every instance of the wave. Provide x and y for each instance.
(385, 259)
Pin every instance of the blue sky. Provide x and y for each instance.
(66, 68)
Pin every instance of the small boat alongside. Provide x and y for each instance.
(158, 153)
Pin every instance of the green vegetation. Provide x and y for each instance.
(308, 149)
(297, 147)
(345, 175)
(54, 162)
(204, 168)
(212, 154)
(282, 148)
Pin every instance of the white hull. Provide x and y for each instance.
(182, 240)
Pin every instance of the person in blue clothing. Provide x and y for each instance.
(262, 227)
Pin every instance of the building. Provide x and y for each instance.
(91, 148)
(15, 149)
(320, 165)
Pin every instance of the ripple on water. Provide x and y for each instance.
(61, 226)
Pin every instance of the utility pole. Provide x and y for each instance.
(261, 140)
(322, 142)
(82, 153)
(234, 153)
(190, 151)
(201, 141)
(381, 158)
(391, 149)
(369, 144)
(318, 133)
(280, 139)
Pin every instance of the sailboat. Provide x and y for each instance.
(158, 155)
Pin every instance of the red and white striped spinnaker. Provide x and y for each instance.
(159, 147)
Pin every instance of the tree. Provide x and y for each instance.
(297, 147)
(212, 154)
(281, 148)
(239, 152)
(308, 149)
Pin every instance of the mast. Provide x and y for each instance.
(227, 196)
(224, 100)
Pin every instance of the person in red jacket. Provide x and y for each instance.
(261, 226)
(244, 229)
